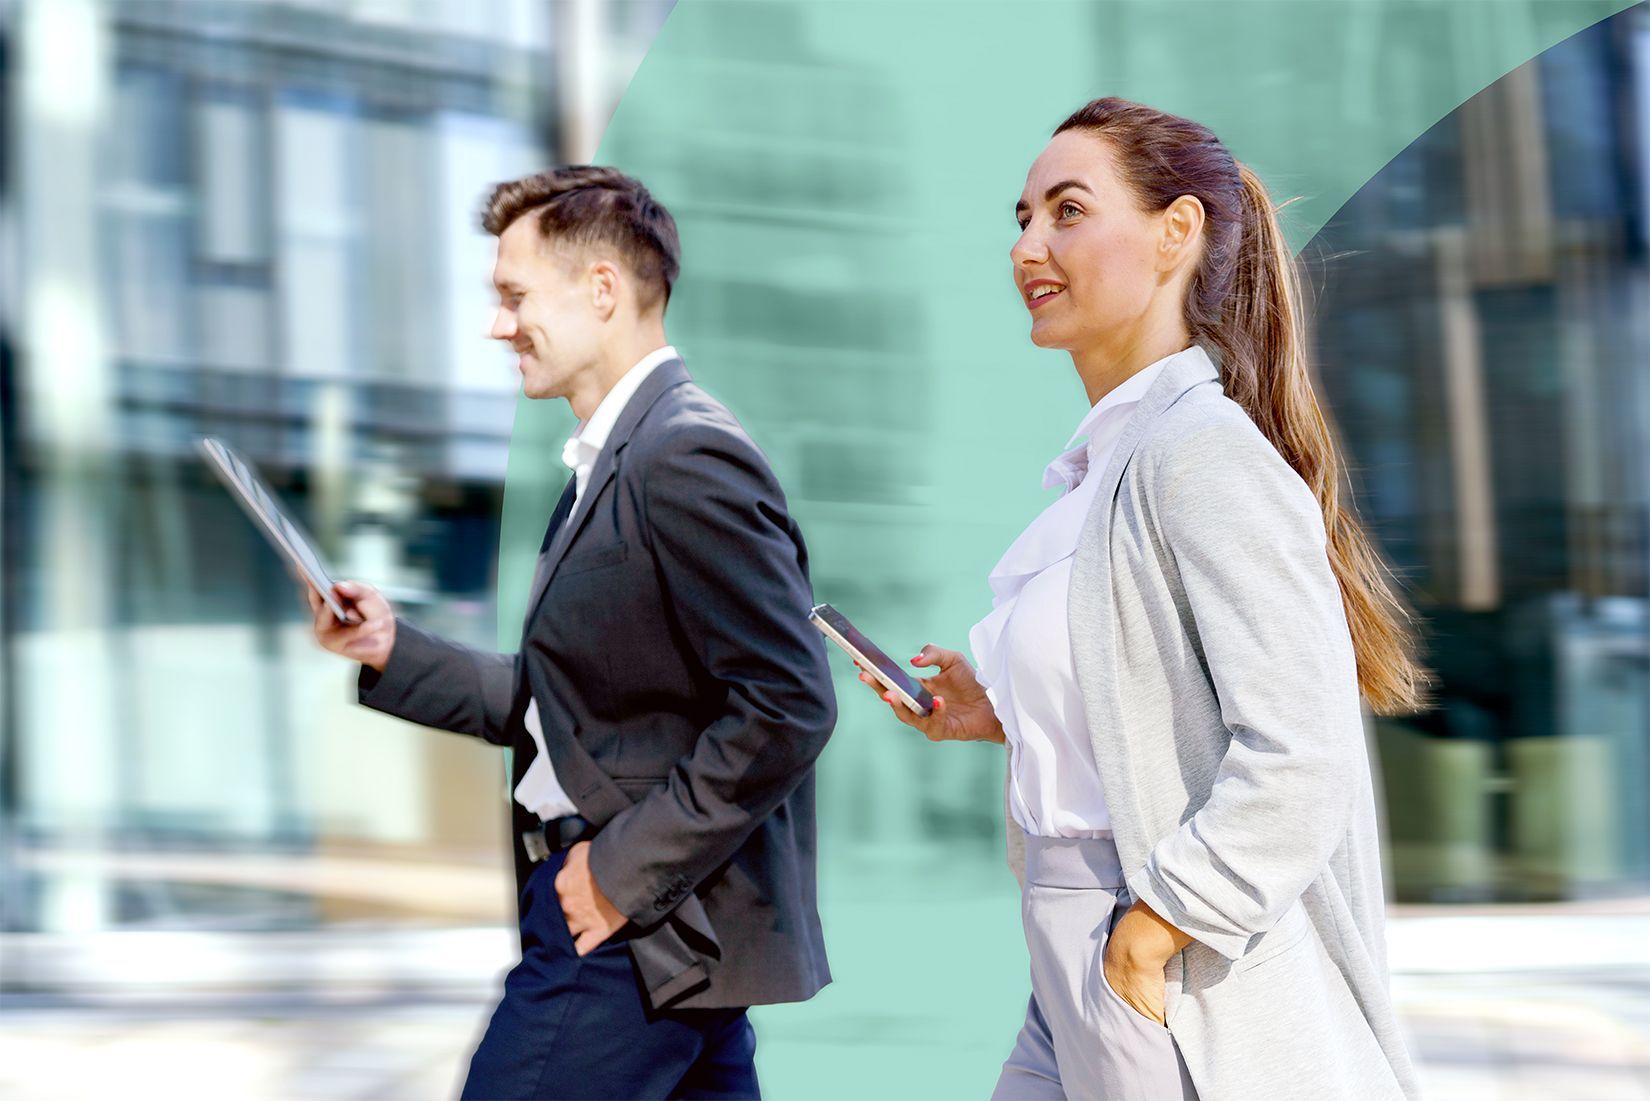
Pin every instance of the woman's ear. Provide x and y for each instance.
(1182, 225)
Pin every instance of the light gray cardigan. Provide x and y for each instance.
(1212, 650)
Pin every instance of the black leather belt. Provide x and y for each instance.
(555, 835)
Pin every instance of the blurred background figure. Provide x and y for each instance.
(257, 219)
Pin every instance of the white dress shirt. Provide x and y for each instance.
(539, 790)
(1022, 650)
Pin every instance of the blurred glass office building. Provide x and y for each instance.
(257, 220)
(1484, 335)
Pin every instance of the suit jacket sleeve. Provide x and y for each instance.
(734, 577)
(434, 682)
(1247, 537)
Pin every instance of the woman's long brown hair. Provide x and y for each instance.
(1244, 301)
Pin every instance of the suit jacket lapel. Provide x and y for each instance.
(670, 373)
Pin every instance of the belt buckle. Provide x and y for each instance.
(537, 848)
(569, 829)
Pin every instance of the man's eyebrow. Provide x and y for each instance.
(1022, 206)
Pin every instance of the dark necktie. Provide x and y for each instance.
(564, 508)
(559, 517)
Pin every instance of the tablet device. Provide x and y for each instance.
(284, 535)
(835, 626)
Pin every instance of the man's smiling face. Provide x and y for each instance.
(546, 312)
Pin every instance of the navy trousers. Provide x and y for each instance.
(580, 1027)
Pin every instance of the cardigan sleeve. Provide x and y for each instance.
(1247, 538)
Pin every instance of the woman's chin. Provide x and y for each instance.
(1045, 336)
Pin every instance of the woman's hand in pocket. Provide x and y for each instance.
(1137, 957)
(1141, 986)
(962, 711)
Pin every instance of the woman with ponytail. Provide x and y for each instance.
(1178, 652)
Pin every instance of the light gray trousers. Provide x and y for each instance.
(1080, 1038)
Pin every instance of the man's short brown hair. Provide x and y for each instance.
(587, 204)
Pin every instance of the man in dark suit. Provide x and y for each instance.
(669, 697)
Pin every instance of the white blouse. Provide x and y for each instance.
(1022, 650)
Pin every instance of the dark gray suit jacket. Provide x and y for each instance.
(683, 697)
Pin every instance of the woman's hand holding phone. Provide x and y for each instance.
(962, 711)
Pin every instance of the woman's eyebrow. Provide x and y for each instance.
(1064, 185)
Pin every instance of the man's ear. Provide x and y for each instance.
(606, 283)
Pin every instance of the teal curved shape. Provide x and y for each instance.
(843, 173)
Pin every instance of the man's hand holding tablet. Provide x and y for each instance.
(369, 641)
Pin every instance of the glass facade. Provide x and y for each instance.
(259, 221)
(1482, 339)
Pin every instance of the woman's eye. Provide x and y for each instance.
(1023, 222)
(1069, 206)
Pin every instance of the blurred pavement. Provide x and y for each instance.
(1502, 1002)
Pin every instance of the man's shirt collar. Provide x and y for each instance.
(590, 437)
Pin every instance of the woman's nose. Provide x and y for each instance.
(1028, 249)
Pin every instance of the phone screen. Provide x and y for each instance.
(872, 653)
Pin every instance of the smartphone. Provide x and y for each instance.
(906, 688)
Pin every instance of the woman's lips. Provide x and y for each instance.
(1033, 303)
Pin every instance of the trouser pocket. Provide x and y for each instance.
(1104, 1047)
